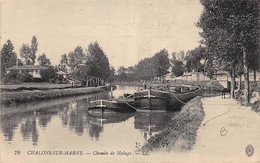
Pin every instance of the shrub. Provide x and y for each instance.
(16, 77)
(24, 77)
(49, 74)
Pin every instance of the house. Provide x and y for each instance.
(34, 70)
(169, 76)
(62, 74)
(193, 76)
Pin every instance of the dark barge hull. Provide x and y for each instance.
(111, 106)
(156, 100)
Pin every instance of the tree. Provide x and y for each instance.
(25, 53)
(28, 53)
(97, 64)
(75, 58)
(193, 59)
(43, 60)
(178, 68)
(145, 69)
(48, 74)
(122, 76)
(161, 63)
(112, 74)
(230, 32)
(64, 59)
(8, 57)
(34, 48)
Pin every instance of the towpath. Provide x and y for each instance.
(226, 132)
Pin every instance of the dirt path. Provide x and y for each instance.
(226, 131)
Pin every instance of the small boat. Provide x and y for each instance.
(118, 105)
(169, 98)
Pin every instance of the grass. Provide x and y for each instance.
(180, 133)
(39, 86)
(10, 98)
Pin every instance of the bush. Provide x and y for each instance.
(16, 77)
(10, 77)
(24, 77)
(49, 74)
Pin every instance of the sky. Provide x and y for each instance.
(127, 30)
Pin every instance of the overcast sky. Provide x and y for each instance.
(127, 30)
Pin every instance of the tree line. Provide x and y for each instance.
(230, 31)
(91, 67)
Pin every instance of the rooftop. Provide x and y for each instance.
(27, 67)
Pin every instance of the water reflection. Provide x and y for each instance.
(29, 130)
(33, 121)
(151, 123)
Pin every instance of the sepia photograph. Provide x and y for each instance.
(130, 81)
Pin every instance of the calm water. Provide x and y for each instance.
(65, 124)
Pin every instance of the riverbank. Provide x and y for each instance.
(180, 133)
(33, 86)
(14, 97)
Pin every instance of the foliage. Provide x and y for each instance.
(193, 59)
(8, 57)
(161, 63)
(75, 58)
(28, 53)
(43, 60)
(229, 27)
(64, 59)
(34, 48)
(24, 77)
(48, 74)
(97, 64)
(15, 77)
(178, 68)
(112, 74)
(25, 53)
(230, 32)
(145, 69)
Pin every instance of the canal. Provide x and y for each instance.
(65, 124)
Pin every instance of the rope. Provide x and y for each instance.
(126, 102)
(178, 98)
(216, 117)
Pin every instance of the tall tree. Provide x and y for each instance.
(64, 63)
(76, 58)
(97, 63)
(8, 57)
(230, 31)
(193, 59)
(145, 69)
(64, 59)
(43, 60)
(161, 63)
(25, 53)
(34, 48)
(178, 68)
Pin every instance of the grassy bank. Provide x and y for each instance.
(180, 133)
(39, 86)
(8, 98)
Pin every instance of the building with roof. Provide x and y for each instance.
(34, 70)
(193, 76)
(62, 74)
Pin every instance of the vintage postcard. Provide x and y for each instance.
(130, 81)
